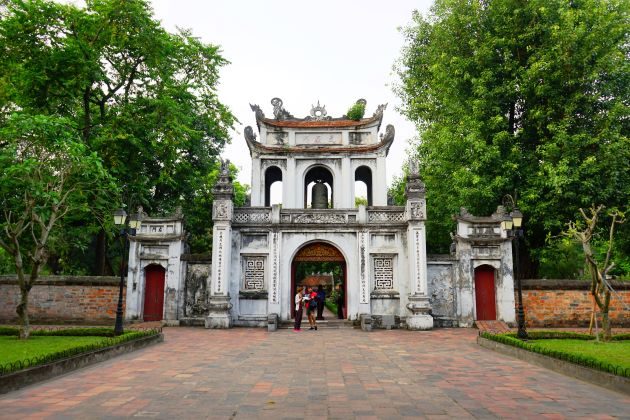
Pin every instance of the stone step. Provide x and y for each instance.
(325, 324)
(493, 326)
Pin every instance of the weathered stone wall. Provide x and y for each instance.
(62, 299)
(567, 303)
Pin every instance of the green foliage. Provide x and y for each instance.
(199, 211)
(356, 111)
(562, 258)
(16, 354)
(360, 201)
(605, 356)
(144, 100)
(540, 335)
(520, 96)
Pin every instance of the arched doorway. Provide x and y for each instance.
(322, 256)
(154, 276)
(485, 296)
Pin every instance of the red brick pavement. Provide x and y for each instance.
(345, 373)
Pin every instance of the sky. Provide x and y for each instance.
(334, 52)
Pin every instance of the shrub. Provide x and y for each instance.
(356, 111)
(52, 357)
(583, 360)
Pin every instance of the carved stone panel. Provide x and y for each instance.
(316, 139)
(254, 272)
(222, 210)
(383, 272)
(320, 218)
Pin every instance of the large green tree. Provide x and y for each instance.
(46, 175)
(519, 95)
(142, 98)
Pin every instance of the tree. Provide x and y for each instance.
(584, 233)
(144, 99)
(46, 175)
(526, 96)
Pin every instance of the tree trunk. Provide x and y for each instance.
(100, 257)
(606, 330)
(22, 311)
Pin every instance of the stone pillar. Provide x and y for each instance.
(379, 186)
(219, 304)
(418, 301)
(257, 192)
(290, 187)
(346, 198)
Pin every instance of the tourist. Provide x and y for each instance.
(321, 299)
(339, 301)
(298, 310)
(311, 307)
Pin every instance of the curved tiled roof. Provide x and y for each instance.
(336, 123)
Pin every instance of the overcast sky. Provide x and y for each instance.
(302, 51)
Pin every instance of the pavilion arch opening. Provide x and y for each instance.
(321, 265)
(273, 186)
(363, 185)
(316, 179)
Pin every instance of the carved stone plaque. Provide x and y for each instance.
(317, 138)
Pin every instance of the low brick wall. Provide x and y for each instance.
(62, 299)
(567, 303)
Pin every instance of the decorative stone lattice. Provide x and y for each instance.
(383, 273)
(246, 217)
(254, 273)
(386, 216)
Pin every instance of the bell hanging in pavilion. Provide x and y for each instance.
(320, 196)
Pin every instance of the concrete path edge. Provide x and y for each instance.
(22, 378)
(604, 379)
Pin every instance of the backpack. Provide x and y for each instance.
(313, 303)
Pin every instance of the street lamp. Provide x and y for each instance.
(128, 226)
(512, 224)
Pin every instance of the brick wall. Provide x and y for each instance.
(567, 303)
(61, 299)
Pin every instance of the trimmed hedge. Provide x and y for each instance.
(65, 332)
(541, 335)
(107, 341)
(511, 340)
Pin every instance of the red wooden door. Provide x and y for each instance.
(154, 293)
(484, 293)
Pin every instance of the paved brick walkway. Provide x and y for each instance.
(249, 373)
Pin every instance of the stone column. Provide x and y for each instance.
(219, 304)
(257, 191)
(419, 319)
(290, 186)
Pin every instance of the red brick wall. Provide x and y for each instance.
(566, 303)
(84, 300)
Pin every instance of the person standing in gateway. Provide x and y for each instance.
(311, 307)
(321, 299)
(298, 310)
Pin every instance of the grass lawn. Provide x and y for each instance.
(615, 352)
(12, 349)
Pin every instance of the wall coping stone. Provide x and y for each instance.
(568, 284)
(66, 280)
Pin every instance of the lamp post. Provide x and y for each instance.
(512, 224)
(128, 226)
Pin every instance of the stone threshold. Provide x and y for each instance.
(32, 375)
(604, 379)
